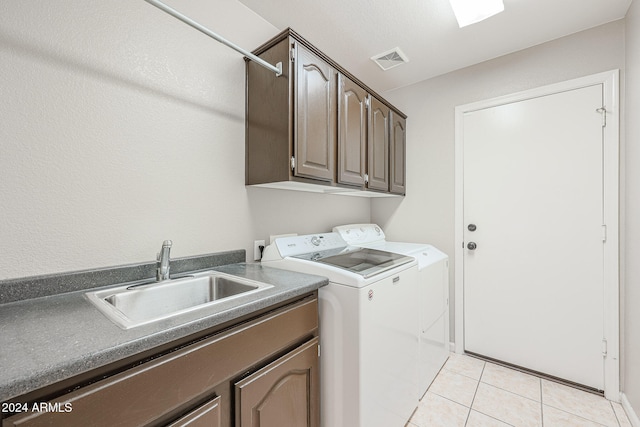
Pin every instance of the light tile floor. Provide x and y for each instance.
(470, 392)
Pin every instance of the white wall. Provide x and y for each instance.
(631, 159)
(426, 214)
(122, 127)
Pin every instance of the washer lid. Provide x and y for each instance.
(363, 261)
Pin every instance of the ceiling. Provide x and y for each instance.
(352, 31)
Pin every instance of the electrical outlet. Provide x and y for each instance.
(257, 253)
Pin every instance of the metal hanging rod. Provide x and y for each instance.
(275, 68)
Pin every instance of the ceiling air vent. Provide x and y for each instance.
(389, 59)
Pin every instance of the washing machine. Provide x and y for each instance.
(368, 336)
(433, 294)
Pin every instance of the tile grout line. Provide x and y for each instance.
(578, 416)
(511, 392)
(515, 392)
(449, 399)
(519, 396)
(494, 418)
(584, 417)
(475, 393)
(573, 413)
(541, 405)
(460, 373)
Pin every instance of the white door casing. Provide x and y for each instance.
(524, 233)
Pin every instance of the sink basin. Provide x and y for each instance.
(130, 306)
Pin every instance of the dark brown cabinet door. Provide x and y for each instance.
(284, 393)
(352, 132)
(378, 160)
(315, 116)
(398, 154)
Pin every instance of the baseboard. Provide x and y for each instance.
(633, 417)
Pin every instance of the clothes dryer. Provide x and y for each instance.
(433, 294)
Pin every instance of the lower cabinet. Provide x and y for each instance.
(270, 362)
(284, 393)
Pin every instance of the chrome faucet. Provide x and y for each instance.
(162, 273)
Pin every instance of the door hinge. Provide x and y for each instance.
(366, 178)
(604, 347)
(604, 232)
(293, 163)
(603, 111)
(318, 350)
(367, 102)
(292, 52)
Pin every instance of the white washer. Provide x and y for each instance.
(433, 276)
(368, 334)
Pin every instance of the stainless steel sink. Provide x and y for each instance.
(134, 305)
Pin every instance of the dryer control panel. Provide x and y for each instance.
(360, 234)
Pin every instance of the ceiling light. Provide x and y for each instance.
(471, 11)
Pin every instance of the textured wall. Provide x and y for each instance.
(122, 127)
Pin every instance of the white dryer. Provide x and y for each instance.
(433, 291)
(368, 334)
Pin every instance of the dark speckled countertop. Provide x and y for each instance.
(52, 338)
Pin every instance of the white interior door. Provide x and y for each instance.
(533, 188)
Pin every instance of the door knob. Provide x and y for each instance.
(472, 246)
(471, 227)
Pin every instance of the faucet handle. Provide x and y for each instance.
(165, 245)
(162, 272)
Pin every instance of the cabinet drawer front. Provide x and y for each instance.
(284, 393)
(165, 386)
(207, 415)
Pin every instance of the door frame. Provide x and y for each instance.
(611, 135)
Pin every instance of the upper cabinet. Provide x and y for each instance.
(318, 128)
